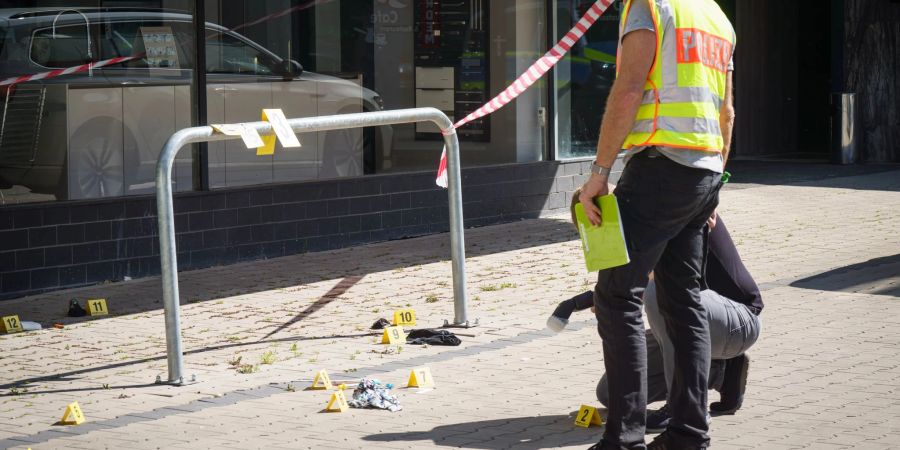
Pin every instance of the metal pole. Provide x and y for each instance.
(166, 215)
(457, 236)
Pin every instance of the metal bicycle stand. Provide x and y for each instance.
(166, 216)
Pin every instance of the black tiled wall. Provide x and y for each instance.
(52, 246)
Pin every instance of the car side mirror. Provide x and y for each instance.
(291, 69)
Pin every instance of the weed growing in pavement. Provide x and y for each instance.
(248, 368)
(294, 347)
(236, 361)
(489, 288)
(431, 298)
(290, 388)
(507, 285)
(268, 357)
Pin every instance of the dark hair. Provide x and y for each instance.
(575, 201)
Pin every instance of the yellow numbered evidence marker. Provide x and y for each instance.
(393, 336)
(420, 377)
(404, 317)
(321, 381)
(11, 324)
(338, 402)
(588, 416)
(72, 415)
(97, 307)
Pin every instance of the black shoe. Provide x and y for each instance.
(665, 441)
(602, 445)
(75, 310)
(733, 386)
(658, 420)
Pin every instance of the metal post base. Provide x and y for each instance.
(466, 324)
(178, 382)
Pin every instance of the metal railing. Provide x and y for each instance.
(166, 217)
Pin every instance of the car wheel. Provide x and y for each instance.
(95, 160)
(342, 153)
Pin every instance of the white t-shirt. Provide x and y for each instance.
(640, 18)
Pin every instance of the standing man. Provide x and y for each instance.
(671, 108)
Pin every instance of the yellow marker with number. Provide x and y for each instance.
(588, 416)
(322, 381)
(97, 307)
(11, 324)
(393, 336)
(420, 377)
(341, 400)
(404, 317)
(72, 415)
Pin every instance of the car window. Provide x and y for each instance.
(67, 47)
(160, 44)
(229, 55)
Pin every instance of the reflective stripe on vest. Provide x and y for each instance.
(684, 90)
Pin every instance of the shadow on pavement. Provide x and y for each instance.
(519, 433)
(266, 275)
(747, 174)
(72, 375)
(878, 276)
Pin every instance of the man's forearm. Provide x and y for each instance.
(726, 116)
(726, 123)
(621, 108)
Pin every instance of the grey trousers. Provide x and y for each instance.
(733, 329)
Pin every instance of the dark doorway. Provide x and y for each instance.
(782, 79)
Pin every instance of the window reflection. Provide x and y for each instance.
(75, 132)
(69, 131)
(585, 77)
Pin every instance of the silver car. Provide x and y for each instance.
(98, 133)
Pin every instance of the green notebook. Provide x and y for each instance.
(604, 246)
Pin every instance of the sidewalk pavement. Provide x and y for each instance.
(825, 373)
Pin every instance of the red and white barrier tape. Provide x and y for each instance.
(68, 70)
(534, 73)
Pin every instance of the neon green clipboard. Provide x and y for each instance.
(604, 246)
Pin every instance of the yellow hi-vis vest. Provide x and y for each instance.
(686, 85)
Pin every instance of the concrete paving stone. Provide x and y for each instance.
(824, 372)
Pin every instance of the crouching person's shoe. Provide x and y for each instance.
(668, 441)
(658, 420)
(733, 386)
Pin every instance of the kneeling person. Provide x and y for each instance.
(732, 302)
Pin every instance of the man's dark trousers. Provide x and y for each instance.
(664, 207)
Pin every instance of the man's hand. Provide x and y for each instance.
(596, 186)
(711, 222)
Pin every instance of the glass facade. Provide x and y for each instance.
(70, 132)
(584, 78)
